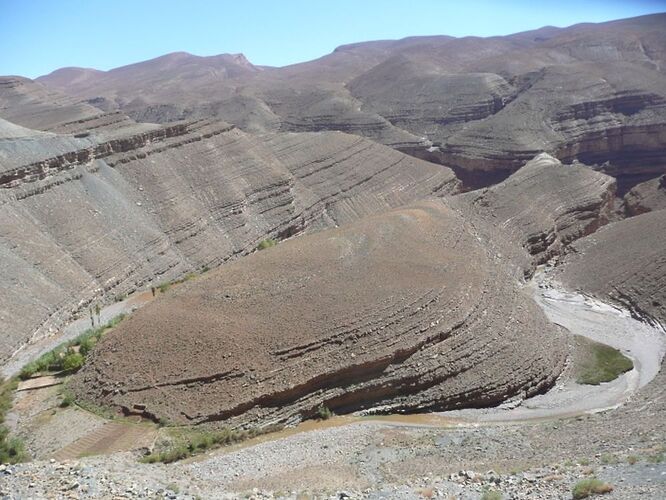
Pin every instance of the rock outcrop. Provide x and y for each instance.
(90, 218)
(383, 313)
(625, 262)
(646, 197)
(542, 208)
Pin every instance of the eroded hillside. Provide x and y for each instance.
(98, 214)
(483, 106)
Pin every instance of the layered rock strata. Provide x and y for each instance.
(542, 208)
(383, 313)
(483, 106)
(86, 219)
(625, 262)
(646, 197)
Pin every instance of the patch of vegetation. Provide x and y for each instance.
(632, 459)
(188, 443)
(608, 459)
(584, 462)
(164, 287)
(66, 398)
(173, 487)
(12, 449)
(69, 356)
(267, 243)
(589, 487)
(656, 458)
(324, 413)
(491, 495)
(600, 363)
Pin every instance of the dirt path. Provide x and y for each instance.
(112, 437)
(32, 351)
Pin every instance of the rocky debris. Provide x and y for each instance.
(369, 460)
(384, 312)
(626, 262)
(93, 218)
(484, 106)
(646, 197)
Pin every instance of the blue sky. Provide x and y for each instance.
(38, 36)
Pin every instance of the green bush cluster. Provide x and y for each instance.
(198, 442)
(267, 243)
(69, 356)
(589, 487)
(324, 413)
(12, 449)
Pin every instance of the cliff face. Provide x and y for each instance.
(646, 197)
(385, 312)
(95, 218)
(483, 106)
(624, 262)
(542, 208)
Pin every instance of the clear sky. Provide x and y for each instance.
(38, 36)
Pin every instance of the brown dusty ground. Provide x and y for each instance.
(403, 310)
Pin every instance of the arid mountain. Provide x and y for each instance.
(483, 106)
(96, 214)
(386, 312)
(389, 288)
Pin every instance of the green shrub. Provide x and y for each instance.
(632, 459)
(12, 449)
(163, 287)
(608, 459)
(324, 413)
(67, 398)
(73, 361)
(589, 487)
(267, 243)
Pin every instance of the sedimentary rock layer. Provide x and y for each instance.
(542, 208)
(624, 261)
(90, 218)
(646, 197)
(384, 312)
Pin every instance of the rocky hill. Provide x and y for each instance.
(384, 312)
(483, 106)
(94, 215)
